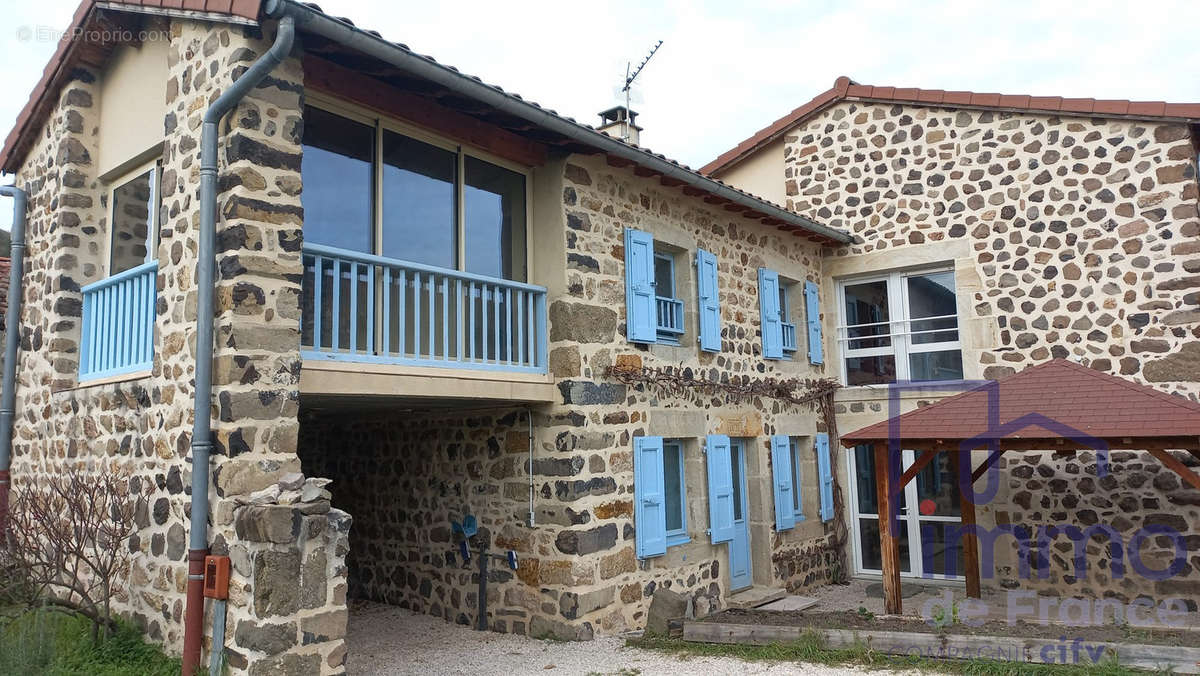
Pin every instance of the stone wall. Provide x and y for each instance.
(1071, 237)
(600, 201)
(145, 421)
(405, 475)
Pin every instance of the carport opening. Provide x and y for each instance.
(404, 475)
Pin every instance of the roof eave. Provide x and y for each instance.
(353, 37)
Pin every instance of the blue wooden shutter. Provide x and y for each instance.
(812, 309)
(720, 489)
(768, 306)
(649, 508)
(710, 302)
(781, 467)
(825, 470)
(641, 314)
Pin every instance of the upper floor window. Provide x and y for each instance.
(785, 315)
(670, 305)
(134, 207)
(899, 326)
(373, 186)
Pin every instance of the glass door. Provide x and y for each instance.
(929, 505)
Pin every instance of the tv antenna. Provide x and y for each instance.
(631, 74)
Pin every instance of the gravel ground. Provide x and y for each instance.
(389, 640)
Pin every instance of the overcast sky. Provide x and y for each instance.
(727, 69)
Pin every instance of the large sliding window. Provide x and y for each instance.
(376, 187)
(339, 186)
(494, 220)
(899, 326)
(419, 201)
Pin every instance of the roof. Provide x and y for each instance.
(56, 72)
(500, 108)
(845, 89)
(1074, 398)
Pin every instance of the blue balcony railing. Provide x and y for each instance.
(670, 315)
(118, 323)
(789, 337)
(365, 308)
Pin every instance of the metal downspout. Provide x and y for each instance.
(12, 340)
(205, 281)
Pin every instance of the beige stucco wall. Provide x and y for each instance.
(761, 173)
(133, 100)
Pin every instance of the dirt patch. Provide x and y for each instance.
(867, 622)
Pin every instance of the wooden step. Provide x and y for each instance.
(755, 597)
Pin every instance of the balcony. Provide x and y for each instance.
(670, 316)
(117, 336)
(789, 337)
(389, 321)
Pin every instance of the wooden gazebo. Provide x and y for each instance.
(1058, 407)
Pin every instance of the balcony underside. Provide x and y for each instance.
(342, 384)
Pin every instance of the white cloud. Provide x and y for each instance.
(727, 69)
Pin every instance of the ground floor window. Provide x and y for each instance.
(660, 494)
(928, 523)
(899, 326)
(676, 492)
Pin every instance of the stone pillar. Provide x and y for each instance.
(290, 594)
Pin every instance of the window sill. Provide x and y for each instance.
(678, 539)
(109, 380)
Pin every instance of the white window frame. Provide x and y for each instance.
(151, 227)
(679, 535)
(666, 337)
(909, 521)
(899, 323)
(786, 288)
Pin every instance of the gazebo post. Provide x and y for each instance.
(969, 540)
(889, 546)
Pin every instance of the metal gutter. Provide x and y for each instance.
(205, 280)
(314, 21)
(12, 341)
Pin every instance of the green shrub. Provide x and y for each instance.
(54, 643)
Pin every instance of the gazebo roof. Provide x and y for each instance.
(1056, 400)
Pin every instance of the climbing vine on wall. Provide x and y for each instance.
(814, 393)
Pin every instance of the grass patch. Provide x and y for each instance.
(51, 643)
(811, 648)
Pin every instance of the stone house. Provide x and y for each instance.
(434, 299)
(1032, 228)
(420, 294)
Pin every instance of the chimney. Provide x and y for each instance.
(620, 122)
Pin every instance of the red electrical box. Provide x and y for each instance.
(216, 577)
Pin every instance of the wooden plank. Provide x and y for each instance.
(344, 83)
(970, 541)
(991, 460)
(1173, 659)
(888, 542)
(917, 466)
(1176, 465)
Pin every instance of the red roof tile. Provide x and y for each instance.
(1073, 396)
(56, 71)
(844, 88)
